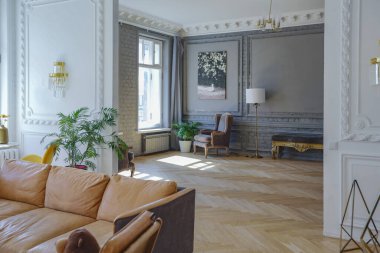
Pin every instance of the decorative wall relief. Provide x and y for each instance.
(359, 116)
(84, 48)
(212, 72)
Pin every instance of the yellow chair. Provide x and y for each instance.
(47, 157)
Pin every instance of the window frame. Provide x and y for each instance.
(159, 67)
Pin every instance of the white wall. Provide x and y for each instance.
(351, 108)
(82, 34)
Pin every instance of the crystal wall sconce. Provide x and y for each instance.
(375, 71)
(58, 79)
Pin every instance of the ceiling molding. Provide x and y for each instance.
(310, 17)
(146, 21)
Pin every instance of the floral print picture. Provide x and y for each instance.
(212, 72)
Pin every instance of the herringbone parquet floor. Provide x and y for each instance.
(246, 205)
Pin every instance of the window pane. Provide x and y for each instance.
(141, 56)
(149, 113)
(147, 52)
(157, 54)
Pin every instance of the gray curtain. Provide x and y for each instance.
(176, 84)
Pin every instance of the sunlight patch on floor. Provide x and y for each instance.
(179, 160)
(207, 167)
(141, 175)
(125, 173)
(154, 178)
(197, 165)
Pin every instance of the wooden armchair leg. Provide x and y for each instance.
(133, 168)
(194, 149)
(206, 152)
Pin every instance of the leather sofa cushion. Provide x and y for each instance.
(9, 208)
(24, 231)
(101, 230)
(203, 138)
(76, 191)
(24, 181)
(124, 193)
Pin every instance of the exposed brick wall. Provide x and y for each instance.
(128, 85)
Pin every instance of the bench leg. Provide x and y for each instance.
(275, 150)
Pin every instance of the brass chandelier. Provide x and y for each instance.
(263, 22)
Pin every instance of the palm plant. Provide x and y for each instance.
(81, 135)
(186, 131)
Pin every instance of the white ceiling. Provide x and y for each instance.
(189, 12)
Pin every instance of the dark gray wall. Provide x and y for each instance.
(289, 64)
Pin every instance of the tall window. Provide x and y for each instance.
(150, 83)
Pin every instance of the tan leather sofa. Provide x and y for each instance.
(40, 204)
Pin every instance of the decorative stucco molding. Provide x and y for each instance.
(26, 6)
(346, 70)
(147, 21)
(143, 20)
(309, 17)
(355, 132)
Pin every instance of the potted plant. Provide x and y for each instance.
(81, 135)
(185, 132)
(3, 129)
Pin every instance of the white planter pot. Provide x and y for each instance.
(185, 146)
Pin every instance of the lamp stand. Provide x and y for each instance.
(257, 156)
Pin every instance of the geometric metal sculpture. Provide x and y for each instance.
(372, 245)
(349, 232)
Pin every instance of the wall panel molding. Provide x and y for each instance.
(239, 81)
(29, 115)
(365, 169)
(355, 125)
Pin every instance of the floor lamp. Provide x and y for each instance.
(256, 96)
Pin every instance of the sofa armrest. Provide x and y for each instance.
(177, 212)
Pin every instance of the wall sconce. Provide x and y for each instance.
(58, 79)
(375, 71)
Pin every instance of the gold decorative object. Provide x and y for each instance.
(274, 24)
(3, 129)
(58, 79)
(375, 70)
(300, 147)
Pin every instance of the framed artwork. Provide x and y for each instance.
(212, 73)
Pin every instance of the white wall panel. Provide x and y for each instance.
(80, 33)
(351, 125)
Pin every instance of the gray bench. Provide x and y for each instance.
(299, 141)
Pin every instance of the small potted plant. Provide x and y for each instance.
(3, 129)
(81, 135)
(185, 132)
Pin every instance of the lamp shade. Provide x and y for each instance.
(255, 96)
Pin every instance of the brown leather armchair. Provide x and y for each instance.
(217, 138)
